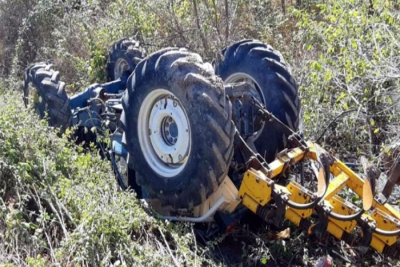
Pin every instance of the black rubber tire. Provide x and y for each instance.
(130, 182)
(54, 99)
(267, 67)
(202, 95)
(126, 49)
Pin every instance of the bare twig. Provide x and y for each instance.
(200, 29)
(169, 249)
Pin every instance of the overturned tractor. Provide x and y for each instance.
(200, 142)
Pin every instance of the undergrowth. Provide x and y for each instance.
(59, 205)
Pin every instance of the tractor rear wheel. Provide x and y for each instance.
(123, 57)
(264, 68)
(52, 97)
(177, 128)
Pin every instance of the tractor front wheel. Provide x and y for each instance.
(51, 95)
(123, 58)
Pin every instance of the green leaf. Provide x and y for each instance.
(372, 122)
(316, 65)
(342, 95)
(328, 76)
(354, 44)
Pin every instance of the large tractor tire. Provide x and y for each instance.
(177, 128)
(52, 98)
(260, 64)
(124, 55)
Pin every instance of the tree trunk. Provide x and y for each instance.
(227, 22)
(200, 29)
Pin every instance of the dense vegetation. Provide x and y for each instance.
(60, 205)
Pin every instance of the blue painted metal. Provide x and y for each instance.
(116, 86)
(90, 108)
(116, 145)
(81, 100)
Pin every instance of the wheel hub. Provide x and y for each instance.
(120, 67)
(169, 131)
(257, 93)
(167, 120)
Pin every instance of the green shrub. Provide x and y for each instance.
(351, 63)
(62, 206)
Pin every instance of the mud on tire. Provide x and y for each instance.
(266, 67)
(178, 79)
(52, 96)
(124, 55)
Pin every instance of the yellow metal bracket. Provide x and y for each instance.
(258, 189)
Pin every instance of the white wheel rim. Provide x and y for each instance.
(243, 77)
(120, 67)
(164, 133)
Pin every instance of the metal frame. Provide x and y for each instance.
(379, 222)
